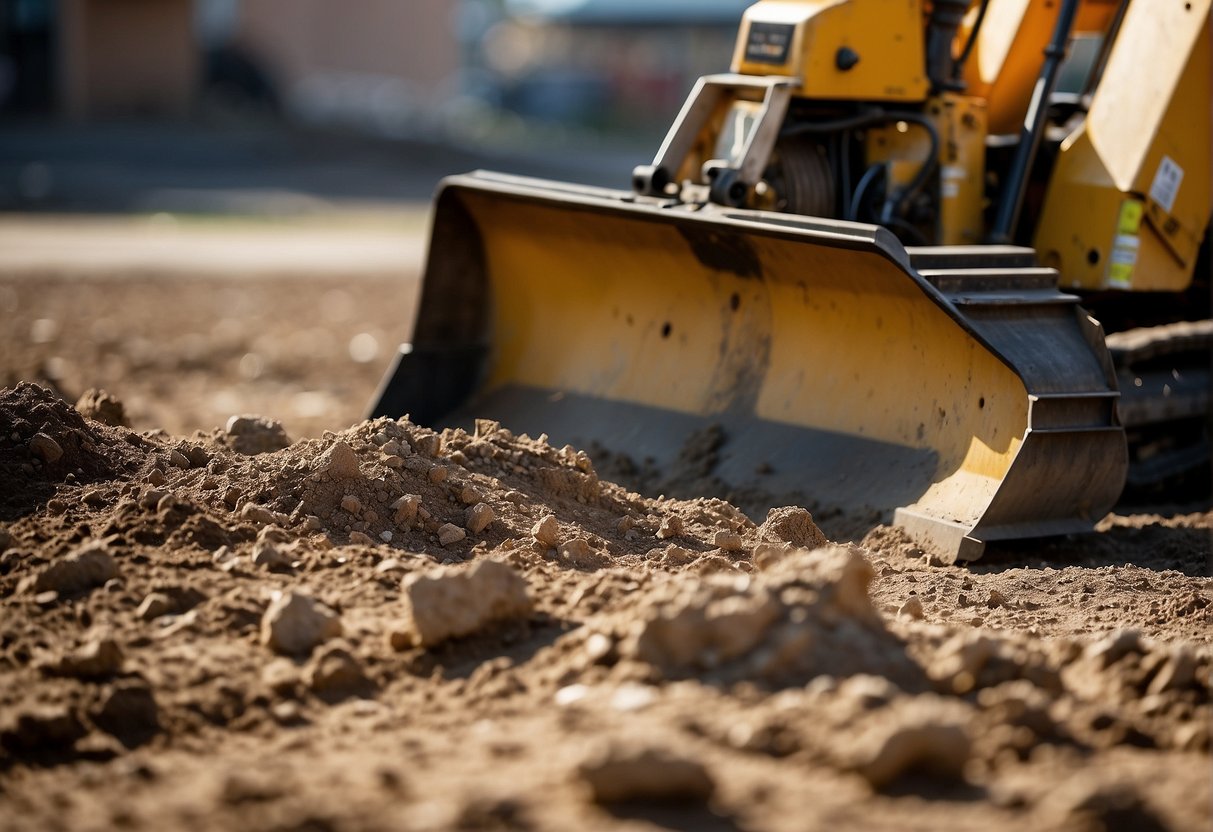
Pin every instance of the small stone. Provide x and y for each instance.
(468, 495)
(547, 532)
(385, 536)
(728, 541)
(268, 555)
(479, 517)
(94, 497)
(128, 711)
(45, 448)
(940, 750)
(334, 670)
(394, 462)
(405, 509)
(621, 774)
(294, 624)
(449, 533)
(232, 496)
(1116, 646)
(89, 566)
(670, 527)
(259, 514)
(361, 538)
(438, 474)
(339, 462)
(675, 555)
(98, 659)
(351, 504)
(102, 407)
(995, 599)
(154, 605)
(791, 524)
(178, 459)
(578, 552)
(156, 478)
(912, 608)
(251, 435)
(451, 602)
(1178, 673)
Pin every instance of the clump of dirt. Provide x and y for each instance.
(391, 626)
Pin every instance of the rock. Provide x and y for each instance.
(449, 533)
(178, 459)
(94, 497)
(385, 536)
(728, 541)
(621, 774)
(547, 532)
(262, 515)
(1178, 673)
(675, 555)
(101, 406)
(268, 555)
(40, 728)
(334, 670)
(127, 710)
(935, 749)
(45, 448)
(99, 658)
(152, 497)
(361, 538)
(89, 566)
(294, 624)
(351, 504)
(154, 605)
(438, 474)
(250, 435)
(995, 599)
(912, 608)
(454, 602)
(791, 524)
(469, 495)
(479, 517)
(339, 462)
(232, 495)
(1116, 646)
(578, 552)
(670, 527)
(405, 509)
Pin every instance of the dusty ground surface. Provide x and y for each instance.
(206, 625)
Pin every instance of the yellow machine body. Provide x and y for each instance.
(1130, 196)
(951, 387)
(806, 39)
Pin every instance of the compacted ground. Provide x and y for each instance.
(306, 621)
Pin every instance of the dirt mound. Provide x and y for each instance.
(379, 623)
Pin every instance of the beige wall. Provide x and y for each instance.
(409, 40)
(127, 57)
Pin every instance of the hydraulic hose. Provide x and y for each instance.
(1033, 128)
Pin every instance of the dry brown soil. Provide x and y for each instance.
(380, 627)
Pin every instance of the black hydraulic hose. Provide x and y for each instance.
(959, 65)
(878, 116)
(896, 206)
(1016, 184)
(864, 182)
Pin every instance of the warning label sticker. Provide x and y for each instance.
(1166, 183)
(1125, 245)
(768, 43)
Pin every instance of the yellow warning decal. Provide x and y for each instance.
(1125, 245)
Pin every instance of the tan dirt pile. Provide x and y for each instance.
(396, 628)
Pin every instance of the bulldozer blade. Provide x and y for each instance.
(953, 391)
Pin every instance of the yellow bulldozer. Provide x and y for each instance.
(870, 259)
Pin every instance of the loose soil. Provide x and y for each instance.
(327, 623)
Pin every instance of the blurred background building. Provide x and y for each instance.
(385, 67)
